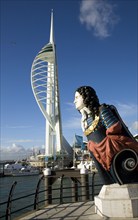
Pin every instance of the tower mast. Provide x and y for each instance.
(44, 82)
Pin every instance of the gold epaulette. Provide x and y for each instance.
(92, 126)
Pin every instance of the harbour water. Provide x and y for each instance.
(27, 185)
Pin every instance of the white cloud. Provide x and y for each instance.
(134, 128)
(16, 151)
(98, 15)
(19, 126)
(12, 152)
(14, 148)
(22, 141)
(135, 125)
(127, 110)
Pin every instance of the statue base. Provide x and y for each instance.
(117, 201)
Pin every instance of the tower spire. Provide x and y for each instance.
(51, 40)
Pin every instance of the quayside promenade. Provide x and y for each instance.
(32, 194)
(69, 211)
(65, 194)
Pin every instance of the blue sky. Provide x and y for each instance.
(96, 44)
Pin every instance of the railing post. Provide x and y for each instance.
(48, 186)
(36, 200)
(74, 190)
(85, 187)
(61, 189)
(93, 175)
(9, 203)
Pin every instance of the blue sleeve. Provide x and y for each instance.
(108, 118)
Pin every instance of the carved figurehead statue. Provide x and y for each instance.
(111, 145)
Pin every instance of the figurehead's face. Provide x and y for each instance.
(78, 101)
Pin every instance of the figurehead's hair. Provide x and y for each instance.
(90, 99)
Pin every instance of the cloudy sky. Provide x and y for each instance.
(96, 44)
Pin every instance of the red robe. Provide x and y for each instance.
(111, 145)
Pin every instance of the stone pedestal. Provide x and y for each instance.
(117, 201)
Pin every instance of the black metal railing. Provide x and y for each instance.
(68, 190)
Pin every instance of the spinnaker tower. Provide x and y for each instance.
(45, 86)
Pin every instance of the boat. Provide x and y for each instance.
(17, 169)
(24, 172)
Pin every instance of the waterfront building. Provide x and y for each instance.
(37, 161)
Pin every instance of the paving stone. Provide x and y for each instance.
(69, 211)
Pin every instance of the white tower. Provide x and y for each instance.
(44, 82)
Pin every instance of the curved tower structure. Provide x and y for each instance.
(44, 82)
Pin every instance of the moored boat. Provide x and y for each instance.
(17, 169)
(24, 172)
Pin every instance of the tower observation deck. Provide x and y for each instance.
(45, 86)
